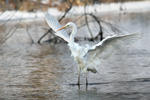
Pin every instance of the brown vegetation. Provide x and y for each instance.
(31, 5)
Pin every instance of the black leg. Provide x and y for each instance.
(86, 81)
(78, 79)
(87, 78)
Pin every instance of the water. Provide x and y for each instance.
(44, 72)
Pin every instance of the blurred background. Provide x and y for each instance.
(33, 5)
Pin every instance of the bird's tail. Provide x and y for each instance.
(93, 70)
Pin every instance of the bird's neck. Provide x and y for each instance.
(73, 33)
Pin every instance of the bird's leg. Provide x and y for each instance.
(86, 78)
(78, 79)
(86, 81)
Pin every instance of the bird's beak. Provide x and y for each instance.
(61, 28)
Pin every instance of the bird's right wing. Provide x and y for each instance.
(54, 24)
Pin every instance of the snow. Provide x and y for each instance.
(140, 6)
(15, 15)
(42, 1)
(45, 1)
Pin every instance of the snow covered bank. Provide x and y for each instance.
(141, 6)
(18, 15)
(129, 7)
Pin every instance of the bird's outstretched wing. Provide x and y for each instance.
(111, 40)
(109, 45)
(54, 24)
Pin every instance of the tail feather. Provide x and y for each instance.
(93, 70)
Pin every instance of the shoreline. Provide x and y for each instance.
(100, 9)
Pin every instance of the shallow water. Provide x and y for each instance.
(45, 72)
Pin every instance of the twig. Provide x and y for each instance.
(11, 31)
(86, 20)
(115, 28)
(70, 3)
(100, 27)
(9, 34)
(48, 31)
(27, 30)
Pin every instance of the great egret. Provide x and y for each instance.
(80, 53)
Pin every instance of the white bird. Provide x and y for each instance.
(81, 53)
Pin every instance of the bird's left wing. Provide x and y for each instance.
(109, 45)
(54, 24)
(112, 40)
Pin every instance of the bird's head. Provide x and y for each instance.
(68, 25)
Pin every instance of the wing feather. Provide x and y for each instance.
(112, 40)
(109, 45)
(54, 24)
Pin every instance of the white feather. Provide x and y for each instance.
(54, 24)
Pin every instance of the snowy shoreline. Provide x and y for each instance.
(128, 7)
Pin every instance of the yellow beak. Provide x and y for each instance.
(61, 28)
